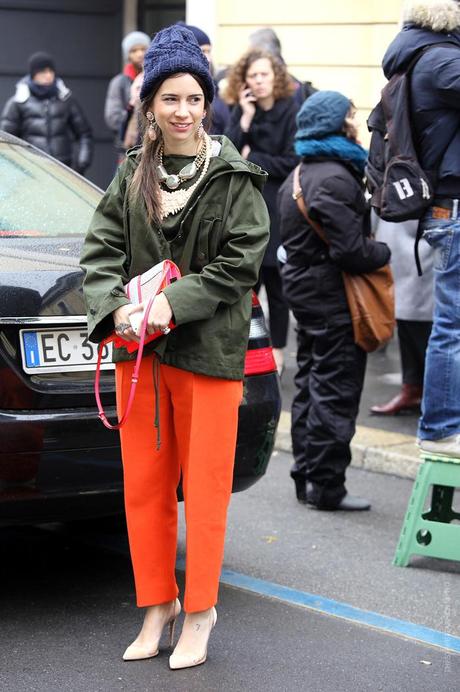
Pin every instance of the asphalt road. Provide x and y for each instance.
(67, 603)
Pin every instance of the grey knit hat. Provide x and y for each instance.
(322, 114)
(135, 38)
(175, 49)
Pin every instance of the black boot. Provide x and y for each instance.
(301, 490)
(348, 503)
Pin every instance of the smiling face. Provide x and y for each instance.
(260, 78)
(179, 107)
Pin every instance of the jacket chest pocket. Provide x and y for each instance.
(208, 243)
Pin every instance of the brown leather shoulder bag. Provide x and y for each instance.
(370, 296)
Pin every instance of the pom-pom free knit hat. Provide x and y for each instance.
(135, 38)
(322, 114)
(175, 49)
(40, 61)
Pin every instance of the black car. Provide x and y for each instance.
(57, 461)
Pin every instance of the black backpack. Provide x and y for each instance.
(400, 188)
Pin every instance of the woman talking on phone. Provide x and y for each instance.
(262, 127)
(192, 199)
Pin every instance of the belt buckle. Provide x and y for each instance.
(441, 213)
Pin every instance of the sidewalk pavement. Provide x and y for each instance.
(372, 449)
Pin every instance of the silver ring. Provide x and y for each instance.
(122, 327)
(165, 330)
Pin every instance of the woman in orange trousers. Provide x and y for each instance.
(190, 198)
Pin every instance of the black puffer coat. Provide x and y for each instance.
(271, 140)
(312, 279)
(435, 100)
(51, 124)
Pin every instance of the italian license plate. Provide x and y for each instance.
(59, 350)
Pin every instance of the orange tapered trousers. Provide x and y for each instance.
(198, 425)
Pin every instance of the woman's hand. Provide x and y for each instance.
(247, 101)
(121, 318)
(245, 151)
(160, 315)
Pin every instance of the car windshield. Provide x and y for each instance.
(40, 197)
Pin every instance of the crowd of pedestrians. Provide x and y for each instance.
(269, 128)
(276, 121)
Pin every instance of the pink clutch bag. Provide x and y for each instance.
(141, 289)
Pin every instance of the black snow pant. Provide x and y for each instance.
(329, 383)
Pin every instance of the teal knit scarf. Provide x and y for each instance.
(336, 147)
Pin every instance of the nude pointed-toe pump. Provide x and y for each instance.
(192, 647)
(147, 643)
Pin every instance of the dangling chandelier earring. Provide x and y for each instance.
(152, 132)
(200, 131)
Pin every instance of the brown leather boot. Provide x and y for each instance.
(408, 399)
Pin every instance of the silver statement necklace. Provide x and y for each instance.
(172, 181)
(175, 200)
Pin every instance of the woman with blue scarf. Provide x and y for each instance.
(331, 367)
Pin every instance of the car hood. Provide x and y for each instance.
(40, 277)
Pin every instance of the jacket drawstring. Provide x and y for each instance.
(156, 391)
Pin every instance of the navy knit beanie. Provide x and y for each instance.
(322, 114)
(175, 49)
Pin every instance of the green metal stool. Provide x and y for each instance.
(431, 533)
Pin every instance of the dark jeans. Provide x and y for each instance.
(413, 341)
(278, 309)
(329, 383)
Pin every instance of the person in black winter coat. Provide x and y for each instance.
(331, 366)
(262, 127)
(44, 112)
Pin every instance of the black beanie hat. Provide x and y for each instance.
(40, 61)
(175, 49)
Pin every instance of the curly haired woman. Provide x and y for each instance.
(262, 127)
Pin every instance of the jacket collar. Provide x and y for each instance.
(23, 91)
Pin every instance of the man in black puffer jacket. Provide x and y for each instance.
(435, 116)
(45, 114)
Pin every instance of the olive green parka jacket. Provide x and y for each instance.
(219, 246)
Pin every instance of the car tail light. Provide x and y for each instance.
(259, 356)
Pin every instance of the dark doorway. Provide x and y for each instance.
(154, 16)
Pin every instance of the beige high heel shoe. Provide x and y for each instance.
(139, 650)
(192, 647)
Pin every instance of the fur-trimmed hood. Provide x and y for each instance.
(435, 15)
(23, 91)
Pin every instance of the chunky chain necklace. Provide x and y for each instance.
(172, 181)
(174, 201)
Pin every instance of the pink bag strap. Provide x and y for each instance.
(134, 377)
